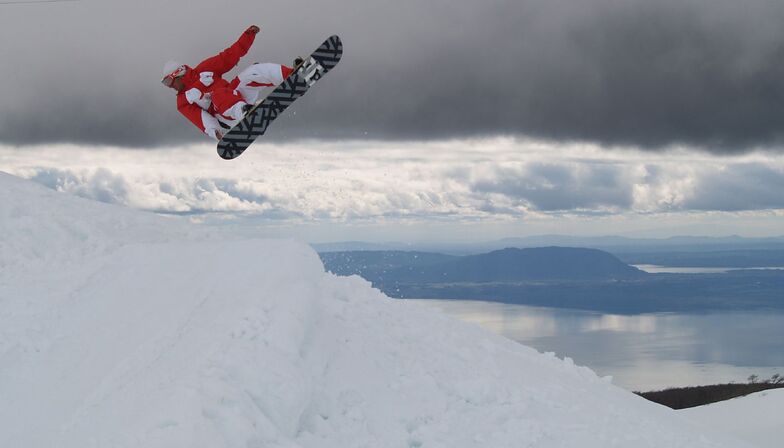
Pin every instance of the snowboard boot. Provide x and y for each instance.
(297, 62)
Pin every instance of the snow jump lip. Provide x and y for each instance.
(255, 123)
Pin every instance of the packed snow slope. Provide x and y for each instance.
(123, 329)
(756, 418)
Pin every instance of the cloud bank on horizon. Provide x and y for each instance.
(701, 73)
(396, 185)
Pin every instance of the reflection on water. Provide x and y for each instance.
(656, 269)
(642, 352)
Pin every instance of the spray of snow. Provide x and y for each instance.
(123, 329)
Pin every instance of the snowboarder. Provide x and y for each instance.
(214, 104)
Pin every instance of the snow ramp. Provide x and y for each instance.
(153, 338)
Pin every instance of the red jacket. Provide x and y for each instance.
(195, 101)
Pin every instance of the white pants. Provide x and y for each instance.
(255, 83)
(258, 80)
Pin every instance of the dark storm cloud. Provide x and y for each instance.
(708, 73)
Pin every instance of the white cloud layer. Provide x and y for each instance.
(504, 182)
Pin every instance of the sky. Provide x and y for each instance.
(458, 119)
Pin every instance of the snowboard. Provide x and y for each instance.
(256, 121)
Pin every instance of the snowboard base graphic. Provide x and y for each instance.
(255, 123)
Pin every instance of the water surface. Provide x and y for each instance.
(641, 352)
(656, 269)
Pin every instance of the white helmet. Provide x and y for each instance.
(171, 71)
(171, 67)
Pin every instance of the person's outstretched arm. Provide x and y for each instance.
(230, 57)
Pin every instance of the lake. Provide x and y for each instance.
(645, 351)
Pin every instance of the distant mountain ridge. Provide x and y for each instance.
(613, 244)
(505, 265)
(512, 264)
(561, 277)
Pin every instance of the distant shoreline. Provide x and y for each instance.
(572, 278)
(689, 397)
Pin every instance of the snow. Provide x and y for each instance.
(755, 418)
(125, 329)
